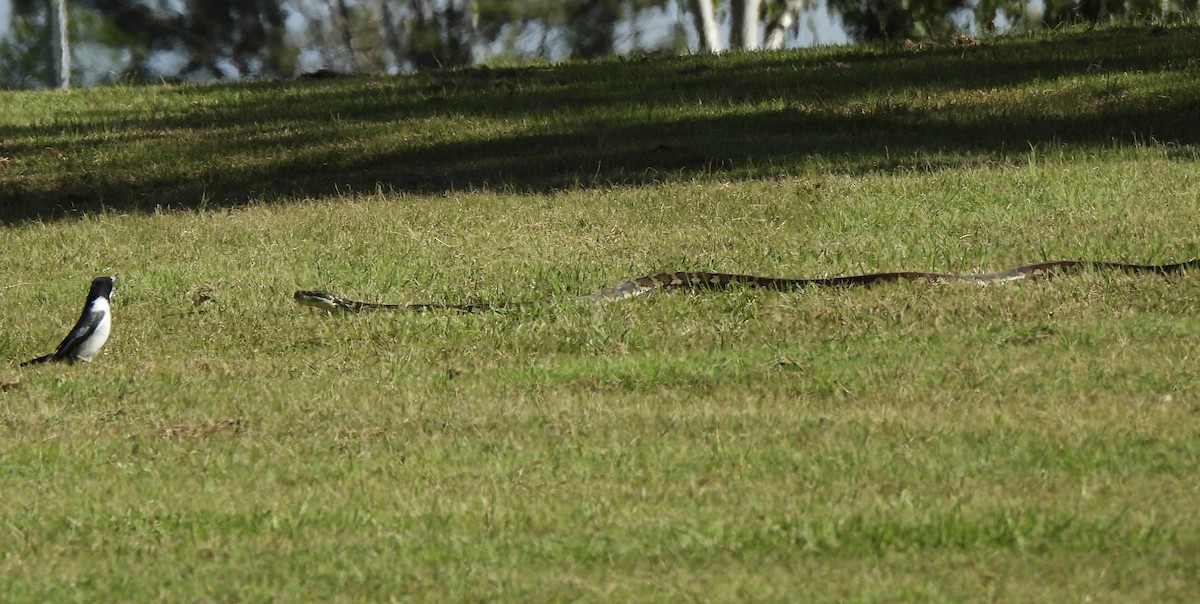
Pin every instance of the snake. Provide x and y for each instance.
(709, 280)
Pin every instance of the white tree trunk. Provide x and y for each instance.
(743, 34)
(60, 46)
(705, 18)
(778, 28)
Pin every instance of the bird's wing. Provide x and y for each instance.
(85, 327)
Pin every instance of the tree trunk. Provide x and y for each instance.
(704, 16)
(743, 34)
(60, 46)
(347, 37)
(777, 29)
(460, 30)
(394, 40)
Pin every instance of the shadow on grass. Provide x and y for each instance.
(597, 124)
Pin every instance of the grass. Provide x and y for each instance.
(1035, 441)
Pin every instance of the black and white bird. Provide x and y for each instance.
(90, 332)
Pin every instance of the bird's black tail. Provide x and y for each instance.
(41, 359)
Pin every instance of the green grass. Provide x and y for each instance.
(1035, 441)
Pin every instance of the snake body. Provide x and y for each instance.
(331, 302)
(707, 280)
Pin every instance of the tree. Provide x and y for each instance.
(745, 19)
(60, 46)
(36, 52)
(785, 19)
(23, 57)
(588, 28)
(705, 18)
(891, 20)
(743, 30)
(1058, 12)
(213, 39)
(388, 35)
(430, 34)
(216, 38)
(347, 38)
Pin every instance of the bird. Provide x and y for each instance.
(90, 331)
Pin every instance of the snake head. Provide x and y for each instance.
(317, 299)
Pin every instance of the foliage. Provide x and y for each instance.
(1059, 12)
(23, 57)
(588, 27)
(439, 38)
(883, 19)
(216, 38)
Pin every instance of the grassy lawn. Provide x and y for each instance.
(1033, 441)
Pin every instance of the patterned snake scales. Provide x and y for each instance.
(700, 280)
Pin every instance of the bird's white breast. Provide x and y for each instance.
(91, 347)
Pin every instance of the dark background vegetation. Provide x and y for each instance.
(203, 40)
